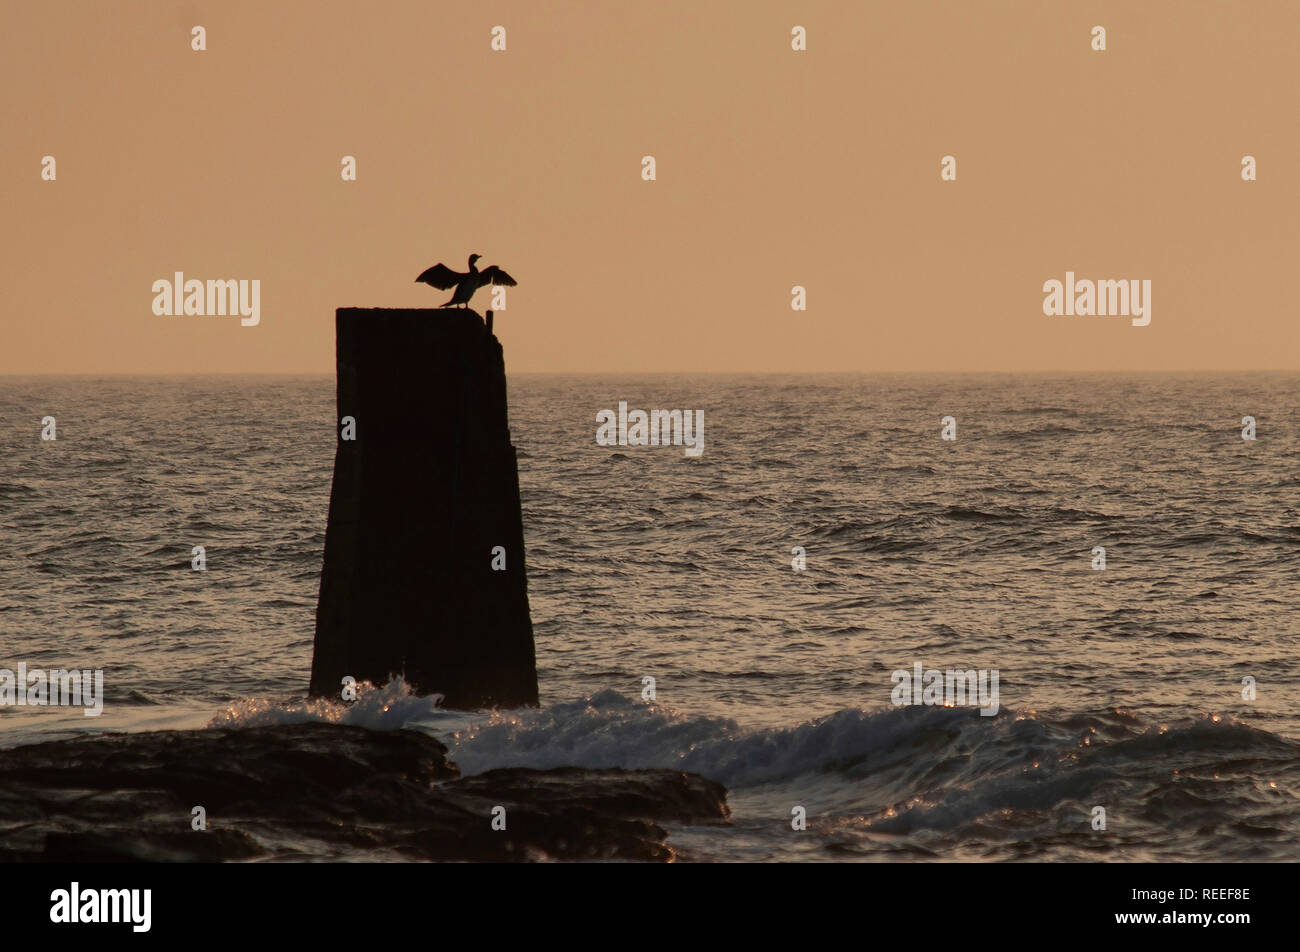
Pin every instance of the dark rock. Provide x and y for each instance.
(319, 791)
(576, 813)
(420, 499)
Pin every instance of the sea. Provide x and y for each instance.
(1109, 545)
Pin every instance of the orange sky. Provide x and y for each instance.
(775, 168)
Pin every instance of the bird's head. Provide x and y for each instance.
(473, 258)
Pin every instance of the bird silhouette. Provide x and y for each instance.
(441, 276)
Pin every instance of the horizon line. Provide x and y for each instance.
(696, 373)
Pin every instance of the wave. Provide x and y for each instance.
(390, 707)
(905, 782)
(947, 782)
(609, 729)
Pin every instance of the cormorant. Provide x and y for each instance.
(441, 276)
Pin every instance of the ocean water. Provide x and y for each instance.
(1120, 688)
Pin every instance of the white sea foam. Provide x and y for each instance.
(389, 707)
(610, 730)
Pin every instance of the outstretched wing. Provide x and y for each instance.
(495, 275)
(440, 276)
